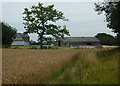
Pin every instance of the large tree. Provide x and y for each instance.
(111, 10)
(106, 39)
(41, 20)
(8, 34)
(112, 13)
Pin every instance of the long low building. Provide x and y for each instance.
(79, 41)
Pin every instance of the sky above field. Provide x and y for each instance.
(83, 20)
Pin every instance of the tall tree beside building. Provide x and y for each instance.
(41, 20)
(106, 39)
(8, 34)
(112, 11)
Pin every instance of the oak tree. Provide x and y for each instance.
(41, 20)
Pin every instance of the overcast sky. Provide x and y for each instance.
(83, 20)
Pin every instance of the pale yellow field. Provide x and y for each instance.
(25, 66)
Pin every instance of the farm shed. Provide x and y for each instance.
(79, 41)
(21, 39)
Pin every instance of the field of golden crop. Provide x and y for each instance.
(30, 66)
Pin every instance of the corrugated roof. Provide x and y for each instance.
(81, 39)
(19, 37)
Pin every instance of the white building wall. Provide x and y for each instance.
(20, 43)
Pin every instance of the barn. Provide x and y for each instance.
(21, 39)
(79, 41)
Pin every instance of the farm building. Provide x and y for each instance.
(78, 41)
(21, 39)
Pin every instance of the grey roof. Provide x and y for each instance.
(81, 39)
(19, 37)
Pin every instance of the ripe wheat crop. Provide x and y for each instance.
(30, 66)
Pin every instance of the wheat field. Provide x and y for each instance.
(30, 66)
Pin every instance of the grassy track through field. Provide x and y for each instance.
(91, 67)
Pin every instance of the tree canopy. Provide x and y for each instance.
(111, 10)
(106, 39)
(8, 34)
(41, 20)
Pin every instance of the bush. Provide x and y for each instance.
(5, 46)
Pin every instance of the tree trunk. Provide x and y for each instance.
(41, 36)
(41, 42)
